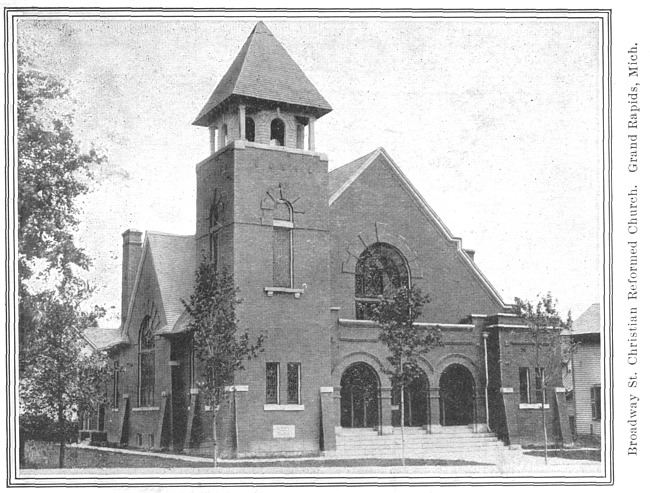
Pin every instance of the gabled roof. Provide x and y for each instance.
(173, 258)
(263, 70)
(340, 176)
(588, 322)
(101, 339)
(346, 175)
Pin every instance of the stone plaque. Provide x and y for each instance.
(284, 431)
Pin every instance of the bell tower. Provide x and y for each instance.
(263, 214)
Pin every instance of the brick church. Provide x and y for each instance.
(303, 244)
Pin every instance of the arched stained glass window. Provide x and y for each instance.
(381, 270)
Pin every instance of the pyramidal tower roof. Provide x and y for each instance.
(263, 71)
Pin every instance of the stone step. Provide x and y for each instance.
(417, 438)
(423, 436)
(421, 445)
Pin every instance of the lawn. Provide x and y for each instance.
(80, 458)
(575, 454)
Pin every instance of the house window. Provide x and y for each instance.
(250, 129)
(540, 384)
(283, 245)
(273, 383)
(146, 363)
(293, 383)
(381, 270)
(116, 385)
(524, 385)
(277, 132)
(595, 402)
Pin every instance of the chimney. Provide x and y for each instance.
(131, 253)
(470, 253)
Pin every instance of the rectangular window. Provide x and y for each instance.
(273, 383)
(524, 385)
(540, 391)
(147, 372)
(293, 383)
(282, 268)
(116, 385)
(595, 402)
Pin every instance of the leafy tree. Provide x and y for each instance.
(551, 346)
(220, 346)
(53, 173)
(62, 377)
(405, 342)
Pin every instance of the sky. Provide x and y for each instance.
(497, 123)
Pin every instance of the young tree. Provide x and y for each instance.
(405, 342)
(53, 173)
(551, 346)
(219, 345)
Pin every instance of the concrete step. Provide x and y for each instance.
(443, 442)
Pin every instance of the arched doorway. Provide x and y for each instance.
(416, 402)
(456, 396)
(359, 397)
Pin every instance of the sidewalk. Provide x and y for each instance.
(505, 464)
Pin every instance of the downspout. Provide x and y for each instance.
(487, 381)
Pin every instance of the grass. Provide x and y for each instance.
(572, 454)
(79, 458)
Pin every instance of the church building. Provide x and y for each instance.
(311, 250)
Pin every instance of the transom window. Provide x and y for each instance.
(381, 271)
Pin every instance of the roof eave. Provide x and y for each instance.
(206, 118)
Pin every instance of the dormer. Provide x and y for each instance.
(264, 98)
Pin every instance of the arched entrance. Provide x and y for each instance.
(359, 397)
(456, 396)
(416, 402)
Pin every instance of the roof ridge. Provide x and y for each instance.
(162, 233)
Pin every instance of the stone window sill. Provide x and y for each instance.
(533, 406)
(142, 409)
(284, 407)
(294, 291)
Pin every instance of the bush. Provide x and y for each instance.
(43, 428)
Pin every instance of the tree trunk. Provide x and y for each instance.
(61, 438)
(401, 413)
(214, 435)
(544, 424)
(402, 421)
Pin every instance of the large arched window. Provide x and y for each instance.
(277, 132)
(146, 363)
(381, 270)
